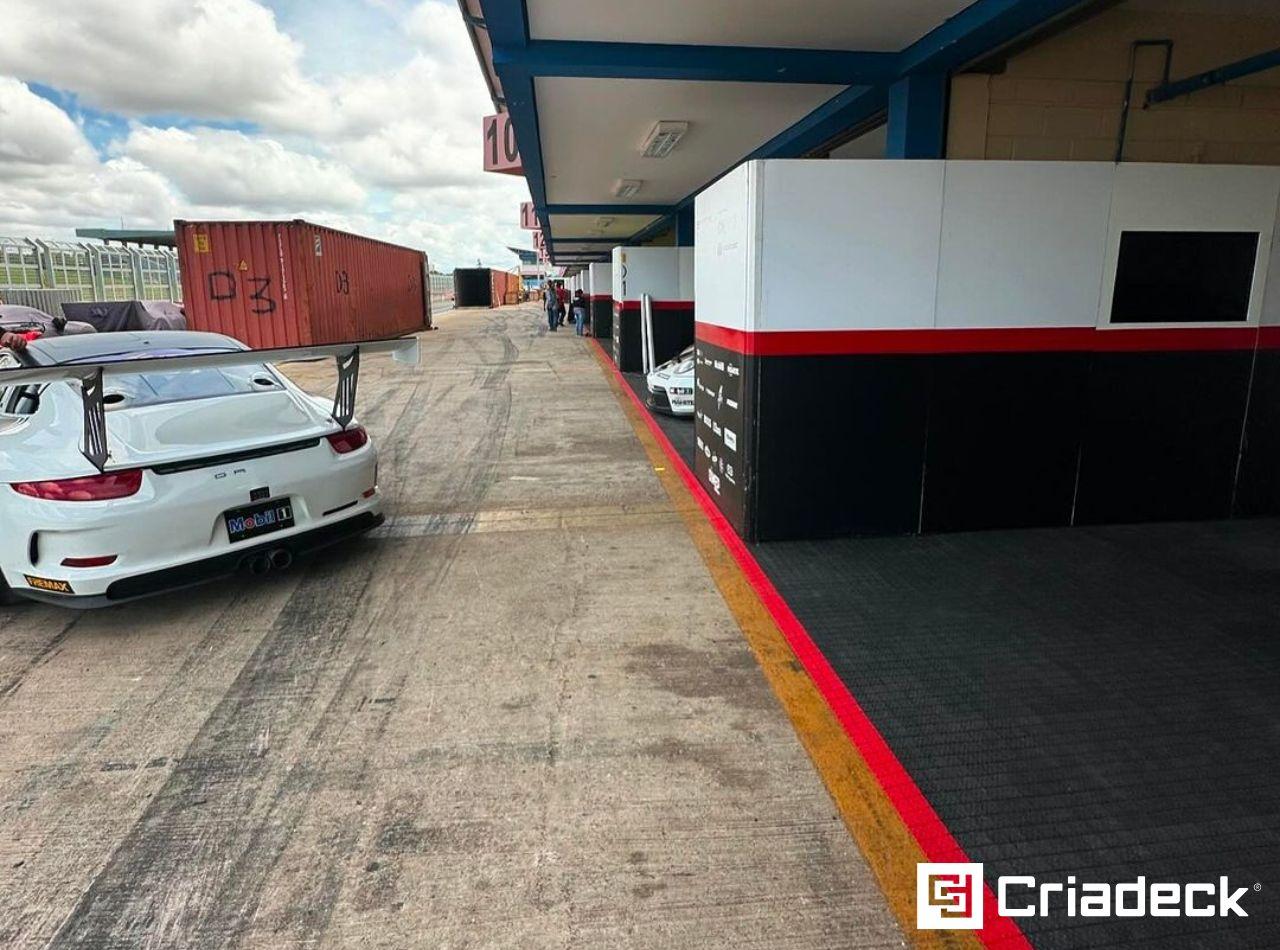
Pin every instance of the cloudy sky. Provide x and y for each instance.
(359, 114)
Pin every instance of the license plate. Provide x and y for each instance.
(256, 520)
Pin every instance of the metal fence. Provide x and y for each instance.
(441, 292)
(45, 274)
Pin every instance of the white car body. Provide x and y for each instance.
(207, 441)
(671, 385)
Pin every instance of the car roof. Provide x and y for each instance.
(53, 350)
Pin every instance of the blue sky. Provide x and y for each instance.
(362, 114)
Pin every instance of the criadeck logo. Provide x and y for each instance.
(951, 897)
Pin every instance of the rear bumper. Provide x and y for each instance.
(211, 568)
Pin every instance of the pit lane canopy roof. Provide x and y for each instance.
(586, 80)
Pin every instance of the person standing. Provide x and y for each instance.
(562, 293)
(552, 303)
(579, 312)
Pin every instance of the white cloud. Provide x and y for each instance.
(391, 149)
(35, 134)
(224, 167)
(206, 59)
(434, 27)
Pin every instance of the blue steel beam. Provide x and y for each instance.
(1214, 77)
(684, 227)
(917, 117)
(508, 26)
(979, 30)
(595, 60)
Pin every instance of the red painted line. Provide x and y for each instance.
(620, 305)
(986, 340)
(934, 838)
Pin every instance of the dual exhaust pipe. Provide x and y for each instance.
(280, 560)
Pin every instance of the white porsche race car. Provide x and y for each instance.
(671, 385)
(134, 463)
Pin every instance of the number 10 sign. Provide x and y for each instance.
(501, 153)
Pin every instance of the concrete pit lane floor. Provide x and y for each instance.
(521, 714)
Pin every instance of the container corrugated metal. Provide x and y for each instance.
(505, 287)
(293, 283)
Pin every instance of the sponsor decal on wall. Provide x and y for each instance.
(718, 420)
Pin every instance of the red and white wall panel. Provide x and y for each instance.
(665, 274)
(600, 292)
(912, 346)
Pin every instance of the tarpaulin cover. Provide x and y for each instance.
(15, 316)
(110, 316)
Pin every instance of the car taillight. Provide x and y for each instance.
(102, 487)
(100, 561)
(348, 440)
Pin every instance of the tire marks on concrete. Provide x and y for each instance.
(192, 871)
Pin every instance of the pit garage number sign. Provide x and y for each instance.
(501, 153)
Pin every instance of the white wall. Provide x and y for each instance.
(686, 266)
(1199, 197)
(1022, 243)
(601, 279)
(646, 270)
(725, 249)
(794, 244)
(849, 244)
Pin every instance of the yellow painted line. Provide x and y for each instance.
(889, 847)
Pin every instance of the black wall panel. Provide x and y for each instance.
(602, 318)
(672, 332)
(626, 340)
(840, 445)
(1162, 436)
(1003, 440)
(1258, 490)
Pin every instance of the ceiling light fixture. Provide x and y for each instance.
(626, 187)
(662, 138)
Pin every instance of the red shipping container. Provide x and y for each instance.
(505, 287)
(291, 283)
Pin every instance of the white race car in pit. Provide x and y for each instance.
(671, 385)
(134, 463)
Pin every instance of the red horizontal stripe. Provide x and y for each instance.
(985, 340)
(657, 305)
(594, 297)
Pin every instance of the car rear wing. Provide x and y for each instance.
(90, 375)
